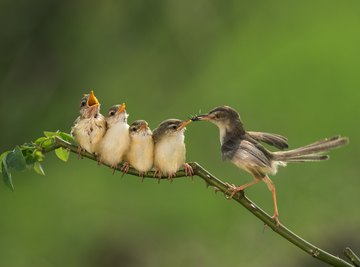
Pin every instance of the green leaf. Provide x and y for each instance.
(40, 140)
(47, 143)
(2, 156)
(6, 174)
(62, 154)
(50, 134)
(38, 168)
(15, 160)
(39, 156)
(67, 137)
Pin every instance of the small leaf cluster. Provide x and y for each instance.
(30, 155)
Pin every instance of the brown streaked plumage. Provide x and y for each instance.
(90, 126)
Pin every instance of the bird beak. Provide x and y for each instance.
(183, 124)
(143, 126)
(202, 117)
(121, 108)
(92, 100)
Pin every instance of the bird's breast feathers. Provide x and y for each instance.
(88, 132)
(170, 154)
(114, 144)
(141, 153)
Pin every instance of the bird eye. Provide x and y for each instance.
(83, 103)
(174, 126)
(217, 115)
(133, 129)
(112, 113)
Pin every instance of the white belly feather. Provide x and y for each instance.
(114, 145)
(170, 154)
(141, 153)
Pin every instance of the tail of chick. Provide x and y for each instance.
(311, 152)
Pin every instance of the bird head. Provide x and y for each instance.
(170, 128)
(117, 114)
(140, 127)
(89, 105)
(223, 117)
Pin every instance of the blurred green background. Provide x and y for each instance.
(289, 67)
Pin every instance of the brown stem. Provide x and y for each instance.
(239, 197)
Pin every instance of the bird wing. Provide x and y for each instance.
(275, 140)
(249, 154)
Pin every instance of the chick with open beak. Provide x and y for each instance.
(169, 151)
(90, 126)
(115, 143)
(141, 152)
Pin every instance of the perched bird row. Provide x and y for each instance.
(113, 141)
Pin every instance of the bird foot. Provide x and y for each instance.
(275, 217)
(189, 170)
(113, 167)
(79, 151)
(142, 174)
(171, 177)
(158, 174)
(125, 168)
(232, 190)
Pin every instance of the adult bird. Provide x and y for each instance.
(245, 150)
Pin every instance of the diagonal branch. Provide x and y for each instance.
(352, 257)
(239, 197)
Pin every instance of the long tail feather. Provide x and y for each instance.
(311, 152)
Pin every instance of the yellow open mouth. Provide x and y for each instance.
(92, 100)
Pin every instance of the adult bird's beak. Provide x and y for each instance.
(92, 100)
(183, 124)
(202, 117)
(121, 108)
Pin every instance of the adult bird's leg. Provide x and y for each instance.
(272, 188)
(234, 189)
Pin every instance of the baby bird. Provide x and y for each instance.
(90, 126)
(141, 152)
(115, 143)
(169, 152)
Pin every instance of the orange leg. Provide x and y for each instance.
(272, 188)
(234, 189)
